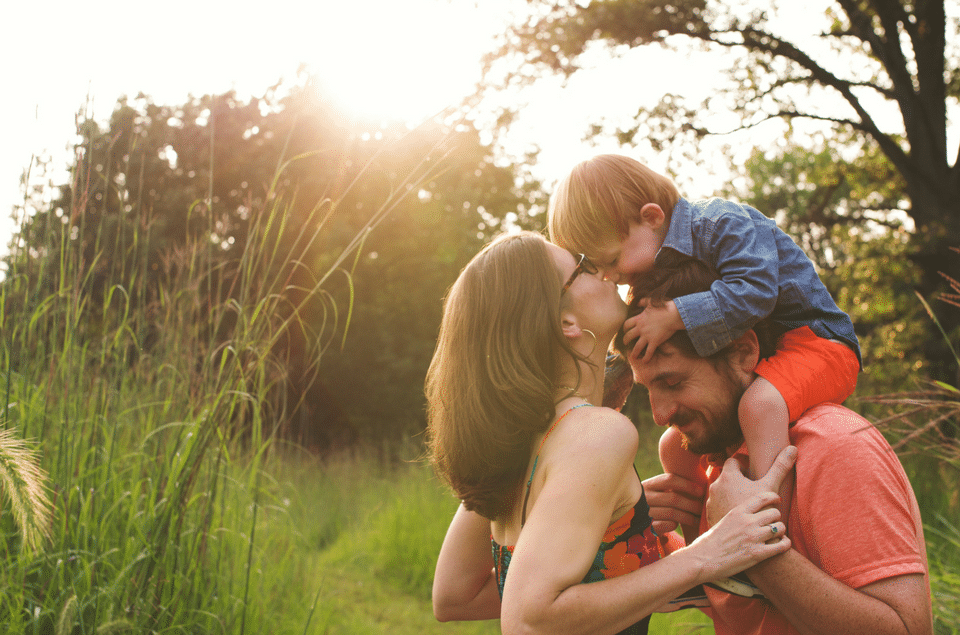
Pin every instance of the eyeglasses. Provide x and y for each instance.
(584, 266)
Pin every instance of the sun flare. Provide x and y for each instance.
(399, 60)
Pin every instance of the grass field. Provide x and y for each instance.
(367, 538)
(372, 556)
(159, 525)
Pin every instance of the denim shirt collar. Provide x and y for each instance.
(680, 232)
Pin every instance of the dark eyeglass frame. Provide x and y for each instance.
(583, 266)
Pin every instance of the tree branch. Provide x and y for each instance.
(760, 41)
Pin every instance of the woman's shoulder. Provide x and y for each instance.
(598, 432)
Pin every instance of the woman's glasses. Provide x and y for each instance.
(584, 266)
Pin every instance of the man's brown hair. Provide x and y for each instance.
(678, 275)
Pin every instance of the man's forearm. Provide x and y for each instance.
(814, 603)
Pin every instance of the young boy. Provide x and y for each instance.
(628, 220)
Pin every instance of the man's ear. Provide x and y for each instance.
(744, 353)
(652, 214)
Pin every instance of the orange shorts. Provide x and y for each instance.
(810, 370)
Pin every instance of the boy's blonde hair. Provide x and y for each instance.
(598, 199)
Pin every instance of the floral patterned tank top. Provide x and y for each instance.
(628, 544)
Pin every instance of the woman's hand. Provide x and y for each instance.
(750, 533)
(733, 487)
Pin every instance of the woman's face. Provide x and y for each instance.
(595, 301)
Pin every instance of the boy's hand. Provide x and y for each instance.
(733, 488)
(651, 328)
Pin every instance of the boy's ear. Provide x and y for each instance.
(652, 214)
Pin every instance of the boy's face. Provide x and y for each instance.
(623, 260)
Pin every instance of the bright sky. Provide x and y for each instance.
(57, 52)
(405, 58)
(399, 58)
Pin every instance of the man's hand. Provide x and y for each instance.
(673, 500)
(651, 327)
(733, 487)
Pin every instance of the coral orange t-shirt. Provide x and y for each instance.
(853, 514)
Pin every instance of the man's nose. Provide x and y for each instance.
(663, 411)
(612, 275)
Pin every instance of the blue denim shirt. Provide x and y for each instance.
(762, 273)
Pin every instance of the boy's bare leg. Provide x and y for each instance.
(677, 460)
(765, 420)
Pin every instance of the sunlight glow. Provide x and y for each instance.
(398, 60)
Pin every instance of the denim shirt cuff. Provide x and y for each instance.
(704, 323)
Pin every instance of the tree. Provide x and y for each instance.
(874, 56)
(160, 186)
(842, 214)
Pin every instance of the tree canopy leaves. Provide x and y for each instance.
(870, 59)
(227, 198)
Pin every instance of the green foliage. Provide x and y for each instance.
(555, 34)
(153, 360)
(137, 443)
(901, 52)
(944, 567)
(847, 216)
(161, 190)
(376, 576)
(401, 530)
(811, 192)
(926, 422)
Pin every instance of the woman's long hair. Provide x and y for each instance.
(491, 384)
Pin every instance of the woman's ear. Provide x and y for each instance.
(652, 214)
(569, 325)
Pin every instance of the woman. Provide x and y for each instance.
(541, 470)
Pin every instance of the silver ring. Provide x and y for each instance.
(773, 529)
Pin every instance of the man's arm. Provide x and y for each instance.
(815, 603)
(810, 599)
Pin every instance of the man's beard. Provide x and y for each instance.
(722, 432)
(719, 437)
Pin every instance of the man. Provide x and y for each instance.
(858, 560)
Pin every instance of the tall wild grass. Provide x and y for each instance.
(926, 422)
(136, 452)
